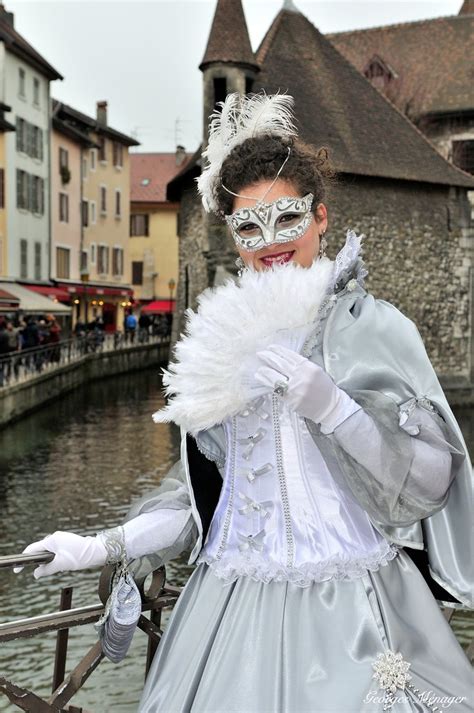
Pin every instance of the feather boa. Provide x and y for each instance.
(216, 357)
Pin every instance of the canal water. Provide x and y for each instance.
(76, 465)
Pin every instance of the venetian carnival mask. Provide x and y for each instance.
(287, 218)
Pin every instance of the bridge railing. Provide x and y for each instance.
(155, 597)
(26, 364)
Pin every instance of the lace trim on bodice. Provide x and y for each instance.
(304, 575)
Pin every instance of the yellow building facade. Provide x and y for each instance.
(154, 260)
(155, 254)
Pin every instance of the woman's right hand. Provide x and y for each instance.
(72, 552)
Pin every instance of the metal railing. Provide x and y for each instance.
(26, 364)
(154, 598)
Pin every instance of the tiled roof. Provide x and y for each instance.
(16, 44)
(73, 133)
(150, 174)
(229, 38)
(467, 8)
(337, 107)
(434, 60)
(83, 123)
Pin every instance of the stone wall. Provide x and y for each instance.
(193, 268)
(418, 250)
(20, 399)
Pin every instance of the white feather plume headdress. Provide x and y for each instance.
(241, 118)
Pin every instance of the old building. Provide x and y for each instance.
(25, 89)
(68, 145)
(426, 69)
(153, 229)
(93, 207)
(5, 127)
(393, 186)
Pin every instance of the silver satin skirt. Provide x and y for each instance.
(256, 647)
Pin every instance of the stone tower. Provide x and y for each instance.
(229, 63)
(228, 66)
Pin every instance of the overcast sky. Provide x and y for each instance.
(143, 56)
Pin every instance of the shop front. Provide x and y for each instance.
(23, 301)
(99, 304)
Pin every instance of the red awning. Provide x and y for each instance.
(97, 290)
(51, 292)
(8, 301)
(159, 307)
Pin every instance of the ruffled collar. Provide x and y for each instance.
(215, 358)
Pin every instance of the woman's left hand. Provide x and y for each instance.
(307, 388)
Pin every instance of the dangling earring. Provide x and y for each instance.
(322, 244)
(241, 265)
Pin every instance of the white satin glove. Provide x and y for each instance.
(307, 388)
(145, 534)
(73, 552)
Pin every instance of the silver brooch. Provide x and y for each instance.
(391, 671)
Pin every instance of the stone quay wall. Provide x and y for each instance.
(23, 398)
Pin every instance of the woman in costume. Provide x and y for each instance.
(316, 445)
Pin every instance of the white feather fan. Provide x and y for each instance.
(216, 358)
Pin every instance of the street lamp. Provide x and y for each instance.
(84, 280)
(171, 286)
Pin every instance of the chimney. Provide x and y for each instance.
(7, 17)
(102, 113)
(180, 154)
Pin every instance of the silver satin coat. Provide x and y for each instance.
(376, 354)
(369, 347)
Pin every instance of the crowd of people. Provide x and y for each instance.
(20, 335)
(17, 334)
(28, 333)
(144, 326)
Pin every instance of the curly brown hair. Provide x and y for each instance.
(261, 157)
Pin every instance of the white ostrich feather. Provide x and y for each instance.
(241, 118)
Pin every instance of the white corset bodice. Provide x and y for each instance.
(280, 515)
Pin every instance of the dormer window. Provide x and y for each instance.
(379, 72)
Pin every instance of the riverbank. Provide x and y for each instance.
(27, 396)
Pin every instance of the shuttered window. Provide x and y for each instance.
(139, 225)
(64, 208)
(63, 263)
(2, 188)
(23, 259)
(117, 262)
(137, 273)
(37, 261)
